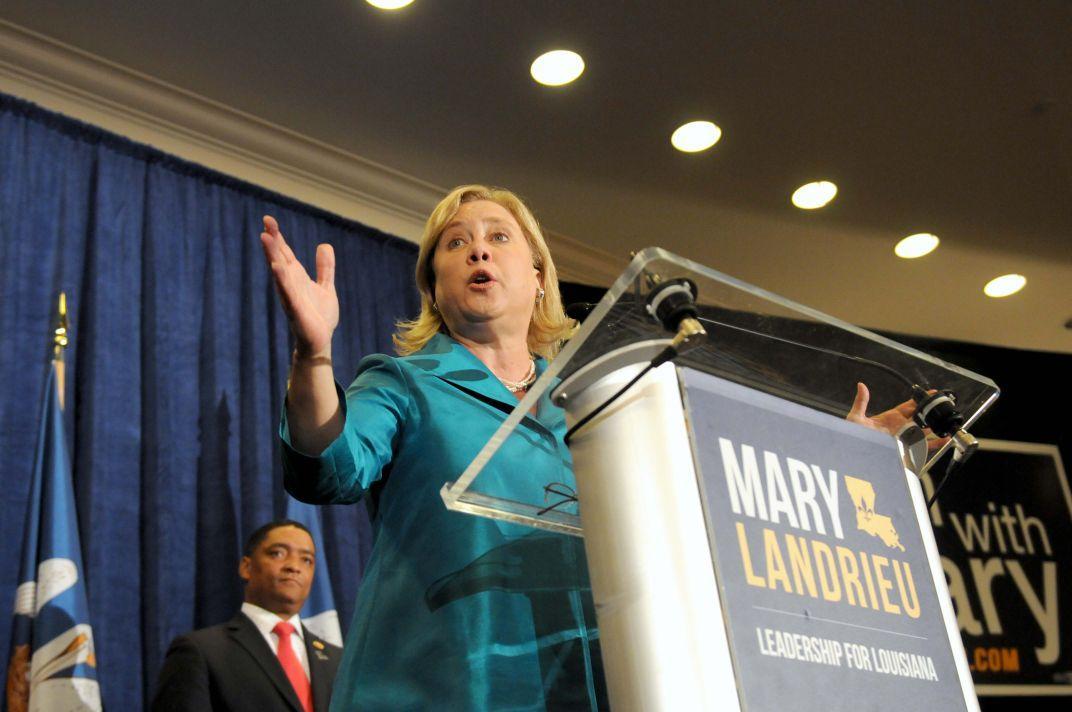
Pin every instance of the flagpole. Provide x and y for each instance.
(53, 663)
(59, 343)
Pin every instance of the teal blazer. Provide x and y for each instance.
(455, 612)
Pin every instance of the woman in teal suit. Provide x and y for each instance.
(454, 612)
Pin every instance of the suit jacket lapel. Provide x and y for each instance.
(319, 657)
(246, 634)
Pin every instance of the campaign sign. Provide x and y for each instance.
(1007, 557)
(827, 591)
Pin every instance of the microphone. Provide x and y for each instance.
(673, 304)
(937, 411)
(672, 301)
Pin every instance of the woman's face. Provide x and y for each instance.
(484, 276)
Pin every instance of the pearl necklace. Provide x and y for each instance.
(517, 386)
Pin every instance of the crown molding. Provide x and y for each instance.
(70, 81)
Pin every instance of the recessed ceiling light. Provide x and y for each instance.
(557, 67)
(695, 136)
(814, 195)
(389, 4)
(913, 246)
(1004, 285)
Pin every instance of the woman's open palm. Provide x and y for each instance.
(312, 307)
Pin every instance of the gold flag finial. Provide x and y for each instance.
(59, 343)
(59, 339)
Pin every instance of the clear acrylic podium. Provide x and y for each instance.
(653, 572)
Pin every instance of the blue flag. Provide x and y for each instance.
(53, 665)
(318, 614)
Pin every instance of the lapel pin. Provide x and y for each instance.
(318, 645)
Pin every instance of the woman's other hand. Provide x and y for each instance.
(891, 421)
(312, 307)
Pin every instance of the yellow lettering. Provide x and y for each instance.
(865, 566)
(800, 565)
(834, 573)
(907, 587)
(776, 572)
(885, 585)
(829, 583)
(850, 576)
(746, 559)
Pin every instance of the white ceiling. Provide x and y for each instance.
(945, 117)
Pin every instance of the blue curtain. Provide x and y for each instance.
(176, 373)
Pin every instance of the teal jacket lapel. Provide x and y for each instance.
(449, 361)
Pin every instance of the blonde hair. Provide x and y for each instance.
(549, 325)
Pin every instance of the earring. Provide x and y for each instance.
(435, 307)
(539, 294)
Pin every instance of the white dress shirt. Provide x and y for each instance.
(265, 622)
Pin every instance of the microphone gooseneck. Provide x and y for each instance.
(673, 304)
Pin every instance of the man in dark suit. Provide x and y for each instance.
(263, 659)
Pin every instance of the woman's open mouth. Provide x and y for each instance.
(481, 280)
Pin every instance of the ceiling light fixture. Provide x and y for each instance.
(557, 67)
(1004, 285)
(695, 136)
(389, 4)
(918, 245)
(812, 196)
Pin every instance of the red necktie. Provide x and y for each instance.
(292, 666)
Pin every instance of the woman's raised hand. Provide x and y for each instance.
(312, 307)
